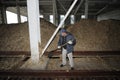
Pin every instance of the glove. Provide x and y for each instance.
(69, 42)
(59, 47)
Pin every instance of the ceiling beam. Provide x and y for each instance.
(100, 1)
(23, 3)
(62, 6)
(78, 7)
(106, 6)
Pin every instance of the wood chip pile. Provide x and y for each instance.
(96, 36)
(15, 37)
(90, 34)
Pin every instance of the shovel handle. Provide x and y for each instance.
(51, 54)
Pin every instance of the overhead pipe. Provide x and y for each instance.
(60, 25)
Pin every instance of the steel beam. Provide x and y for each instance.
(78, 53)
(62, 13)
(86, 9)
(46, 17)
(115, 14)
(67, 21)
(87, 53)
(100, 1)
(55, 13)
(61, 73)
(0, 16)
(78, 7)
(22, 11)
(4, 15)
(24, 3)
(18, 11)
(18, 14)
(62, 6)
(101, 10)
(77, 17)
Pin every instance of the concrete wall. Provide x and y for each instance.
(109, 15)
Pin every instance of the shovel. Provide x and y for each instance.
(50, 54)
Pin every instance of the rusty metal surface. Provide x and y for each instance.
(57, 73)
(89, 53)
(58, 52)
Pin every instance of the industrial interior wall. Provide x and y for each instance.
(0, 17)
(115, 14)
(90, 35)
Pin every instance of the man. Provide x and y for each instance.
(67, 50)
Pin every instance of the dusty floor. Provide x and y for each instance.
(81, 63)
(8, 62)
(87, 63)
(41, 65)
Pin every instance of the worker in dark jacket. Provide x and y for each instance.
(67, 50)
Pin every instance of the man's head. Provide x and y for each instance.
(63, 32)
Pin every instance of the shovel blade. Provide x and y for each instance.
(50, 54)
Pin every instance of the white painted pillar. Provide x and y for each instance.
(38, 21)
(33, 19)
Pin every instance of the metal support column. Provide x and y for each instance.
(55, 13)
(18, 14)
(0, 16)
(67, 21)
(33, 19)
(18, 11)
(86, 9)
(46, 17)
(78, 7)
(58, 18)
(77, 17)
(4, 16)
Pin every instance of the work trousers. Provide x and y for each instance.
(70, 57)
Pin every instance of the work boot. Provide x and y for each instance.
(72, 68)
(61, 65)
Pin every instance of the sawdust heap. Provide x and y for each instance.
(92, 35)
(15, 37)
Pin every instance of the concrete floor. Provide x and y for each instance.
(107, 63)
(87, 63)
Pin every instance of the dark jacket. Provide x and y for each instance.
(69, 47)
